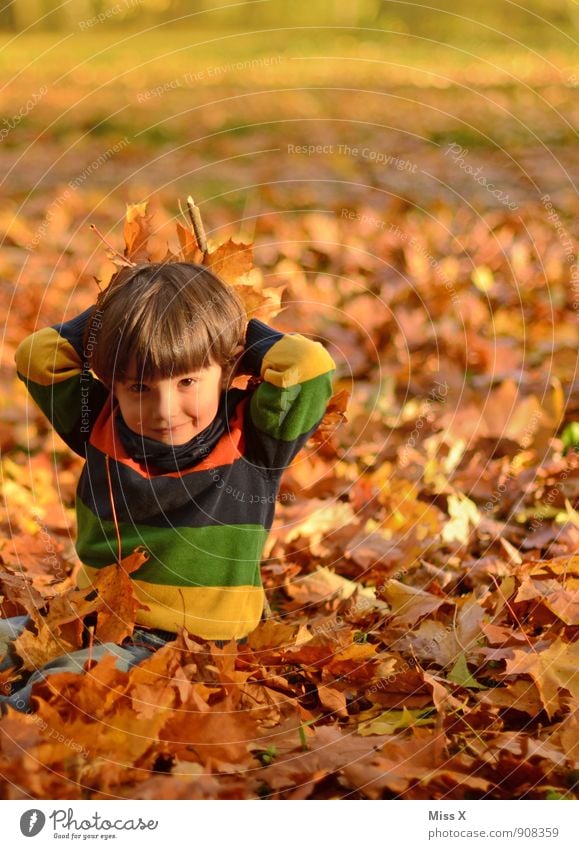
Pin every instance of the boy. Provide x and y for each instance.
(177, 461)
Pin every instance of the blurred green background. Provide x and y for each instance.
(109, 102)
(423, 19)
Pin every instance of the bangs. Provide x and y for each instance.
(166, 345)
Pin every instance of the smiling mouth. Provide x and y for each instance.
(169, 429)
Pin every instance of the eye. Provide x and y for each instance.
(138, 388)
(188, 381)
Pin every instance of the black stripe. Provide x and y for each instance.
(236, 493)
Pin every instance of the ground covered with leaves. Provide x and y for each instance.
(422, 569)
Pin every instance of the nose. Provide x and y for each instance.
(165, 405)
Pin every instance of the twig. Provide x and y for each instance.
(110, 247)
(195, 216)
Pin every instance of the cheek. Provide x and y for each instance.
(205, 402)
(132, 407)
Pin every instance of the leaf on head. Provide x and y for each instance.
(190, 250)
(231, 261)
(137, 230)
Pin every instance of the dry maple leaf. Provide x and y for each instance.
(20, 590)
(421, 758)
(552, 669)
(334, 416)
(37, 649)
(271, 634)
(220, 735)
(259, 303)
(231, 261)
(563, 603)
(59, 622)
(521, 695)
(137, 229)
(407, 603)
(329, 750)
(190, 250)
(116, 617)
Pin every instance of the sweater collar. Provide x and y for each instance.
(171, 458)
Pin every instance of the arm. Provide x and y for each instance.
(288, 406)
(53, 366)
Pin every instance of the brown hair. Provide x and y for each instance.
(171, 317)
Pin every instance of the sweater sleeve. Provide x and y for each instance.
(287, 407)
(56, 372)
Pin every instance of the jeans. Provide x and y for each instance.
(136, 649)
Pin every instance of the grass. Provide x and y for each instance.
(170, 50)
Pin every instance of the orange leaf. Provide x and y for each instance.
(271, 634)
(409, 604)
(259, 303)
(332, 700)
(116, 590)
(553, 669)
(230, 261)
(136, 232)
(38, 649)
(190, 250)
(59, 621)
(334, 416)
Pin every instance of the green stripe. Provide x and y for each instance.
(286, 414)
(213, 556)
(58, 401)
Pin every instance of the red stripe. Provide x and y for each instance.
(230, 447)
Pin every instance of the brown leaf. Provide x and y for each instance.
(563, 603)
(137, 229)
(116, 617)
(37, 649)
(271, 634)
(334, 416)
(231, 261)
(443, 700)
(260, 303)
(420, 759)
(59, 620)
(568, 734)
(357, 662)
(190, 250)
(407, 603)
(332, 700)
(328, 750)
(552, 669)
(520, 695)
(220, 736)
(20, 590)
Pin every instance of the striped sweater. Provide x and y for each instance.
(204, 527)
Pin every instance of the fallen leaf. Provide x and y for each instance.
(407, 603)
(552, 669)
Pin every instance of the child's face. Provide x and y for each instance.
(171, 410)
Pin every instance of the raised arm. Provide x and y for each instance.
(287, 407)
(56, 371)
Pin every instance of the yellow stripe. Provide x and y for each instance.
(214, 613)
(295, 359)
(46, 358)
